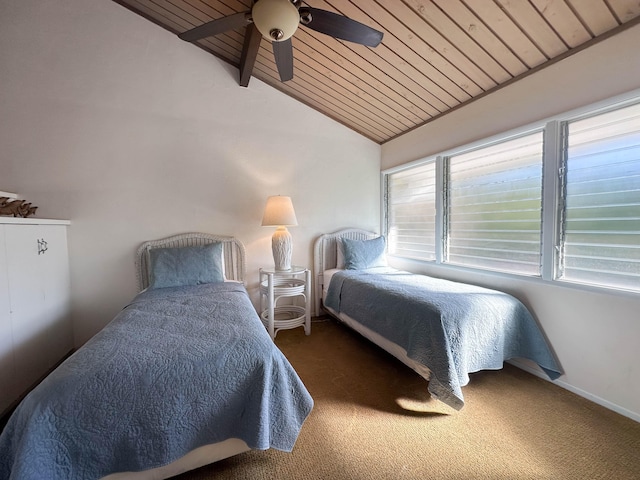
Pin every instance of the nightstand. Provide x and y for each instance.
(279, 284)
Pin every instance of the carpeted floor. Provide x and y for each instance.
(373, 419)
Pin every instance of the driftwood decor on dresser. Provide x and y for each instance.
(16, 208)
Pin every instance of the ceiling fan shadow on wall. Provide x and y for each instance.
(277, 21)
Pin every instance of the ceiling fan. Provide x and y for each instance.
(277, 21)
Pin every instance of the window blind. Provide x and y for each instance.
(411, 212)
(494, 215)
(600, 241)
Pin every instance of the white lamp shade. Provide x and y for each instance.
(279, 211)
(275, 15)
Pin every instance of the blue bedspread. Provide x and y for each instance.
(451, 328)
(177, 369)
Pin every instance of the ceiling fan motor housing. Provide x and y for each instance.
(276, 20)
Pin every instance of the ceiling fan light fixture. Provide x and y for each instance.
(276, 20)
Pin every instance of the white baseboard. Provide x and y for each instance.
(578, 391)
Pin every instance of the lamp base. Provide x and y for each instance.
(282, 247)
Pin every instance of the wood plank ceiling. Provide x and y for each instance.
(435, 55)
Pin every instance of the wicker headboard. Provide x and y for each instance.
(233, 253)
(325, 255)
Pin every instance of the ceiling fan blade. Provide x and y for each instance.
(283, 52)
(214, 27)
(339, 26)
(249, 53)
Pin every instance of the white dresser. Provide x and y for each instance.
(35, 327)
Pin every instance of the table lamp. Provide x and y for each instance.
(279, 213)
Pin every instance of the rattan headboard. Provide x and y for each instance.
(325, 255)
(233, 252)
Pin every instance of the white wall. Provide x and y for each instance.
(133, 134)
(595, 335)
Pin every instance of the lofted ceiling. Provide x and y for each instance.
(435, 55)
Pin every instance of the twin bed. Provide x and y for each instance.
(443, 330)
(183, 376)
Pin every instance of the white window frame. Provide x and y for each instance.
(384, 188)
(552, 196)
(585, 113)
(446, 185)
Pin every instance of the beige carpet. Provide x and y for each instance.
(373, 419)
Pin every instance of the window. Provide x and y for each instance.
(495, 206)
(559, 200)
(411, 212)
(600, 239)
